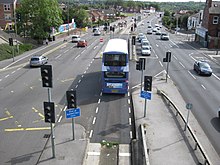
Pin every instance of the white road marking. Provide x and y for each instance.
(85, 72)
(77, 57)
(182, 64)
(129, 101)
(99, 101)
(79, 81)
(128, 94)
(94, 119)
(215, 76)
(13, 72)
(58, 56)
(192, 75)
(203, 86)
(76, 86)
(91, 132)
(175, 57)
(129, 110)
(131, 135)
(129, 121)
(60, 119)
(97, 110)
(161, 63)
(66, 51)
(6, 76)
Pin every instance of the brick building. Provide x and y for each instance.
(209, 33)
(7, 13)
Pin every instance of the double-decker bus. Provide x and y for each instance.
(115, 67)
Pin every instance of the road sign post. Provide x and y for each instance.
(73, 113)
(189, 107)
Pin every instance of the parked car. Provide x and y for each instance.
(82, 43)
(202, 68)
(164, 36)
(97, 33)
(38, 60)
(75, 38)
(145, 50)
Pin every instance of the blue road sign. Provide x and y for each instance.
(72, 113)
(146, 95)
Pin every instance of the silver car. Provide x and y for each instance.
(38, 60)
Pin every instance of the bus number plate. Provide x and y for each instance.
(114, 91)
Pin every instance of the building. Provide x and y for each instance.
(7, 13)
(194, 21)
(209, 33)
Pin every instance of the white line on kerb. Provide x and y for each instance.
(90, 135)
(84, 72)
(79, 81)
(94, 119)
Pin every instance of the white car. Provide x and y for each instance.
(164, 36)
(38, 60)
(145, 50)
(97, 33)
(145, 43)
(75, 38)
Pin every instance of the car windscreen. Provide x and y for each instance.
(35, 59)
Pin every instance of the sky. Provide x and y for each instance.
(175, 0)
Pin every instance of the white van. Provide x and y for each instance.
(75, 38)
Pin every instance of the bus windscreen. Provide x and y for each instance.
(114, 60)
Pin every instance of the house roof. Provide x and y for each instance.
(215, 8)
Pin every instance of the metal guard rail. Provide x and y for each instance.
(197, 143)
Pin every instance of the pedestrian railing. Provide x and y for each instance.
(197, 143)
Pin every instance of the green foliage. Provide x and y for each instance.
(38, 17)
(6, 50)
(109, 144)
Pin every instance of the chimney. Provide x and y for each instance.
(208, 3)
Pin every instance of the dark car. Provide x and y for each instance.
(202, 68)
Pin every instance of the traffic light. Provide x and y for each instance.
(133, 40)
(111, 28)
(71, 99)
(138, 65)
(46, 75)
(49, 112)
(18, 16)
(10, 40)
(147, 83)
(168, 56)
(142, 62)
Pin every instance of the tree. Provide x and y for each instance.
(38, 17)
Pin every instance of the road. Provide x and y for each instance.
(201, 91)
(104, 117)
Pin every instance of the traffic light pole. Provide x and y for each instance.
(51, 127)
(145, 107)
(167, 70)
(142, 72)
(73, 121)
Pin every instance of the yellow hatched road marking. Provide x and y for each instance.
(6, 118)
(26, 129)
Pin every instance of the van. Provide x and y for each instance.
(75, 38)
